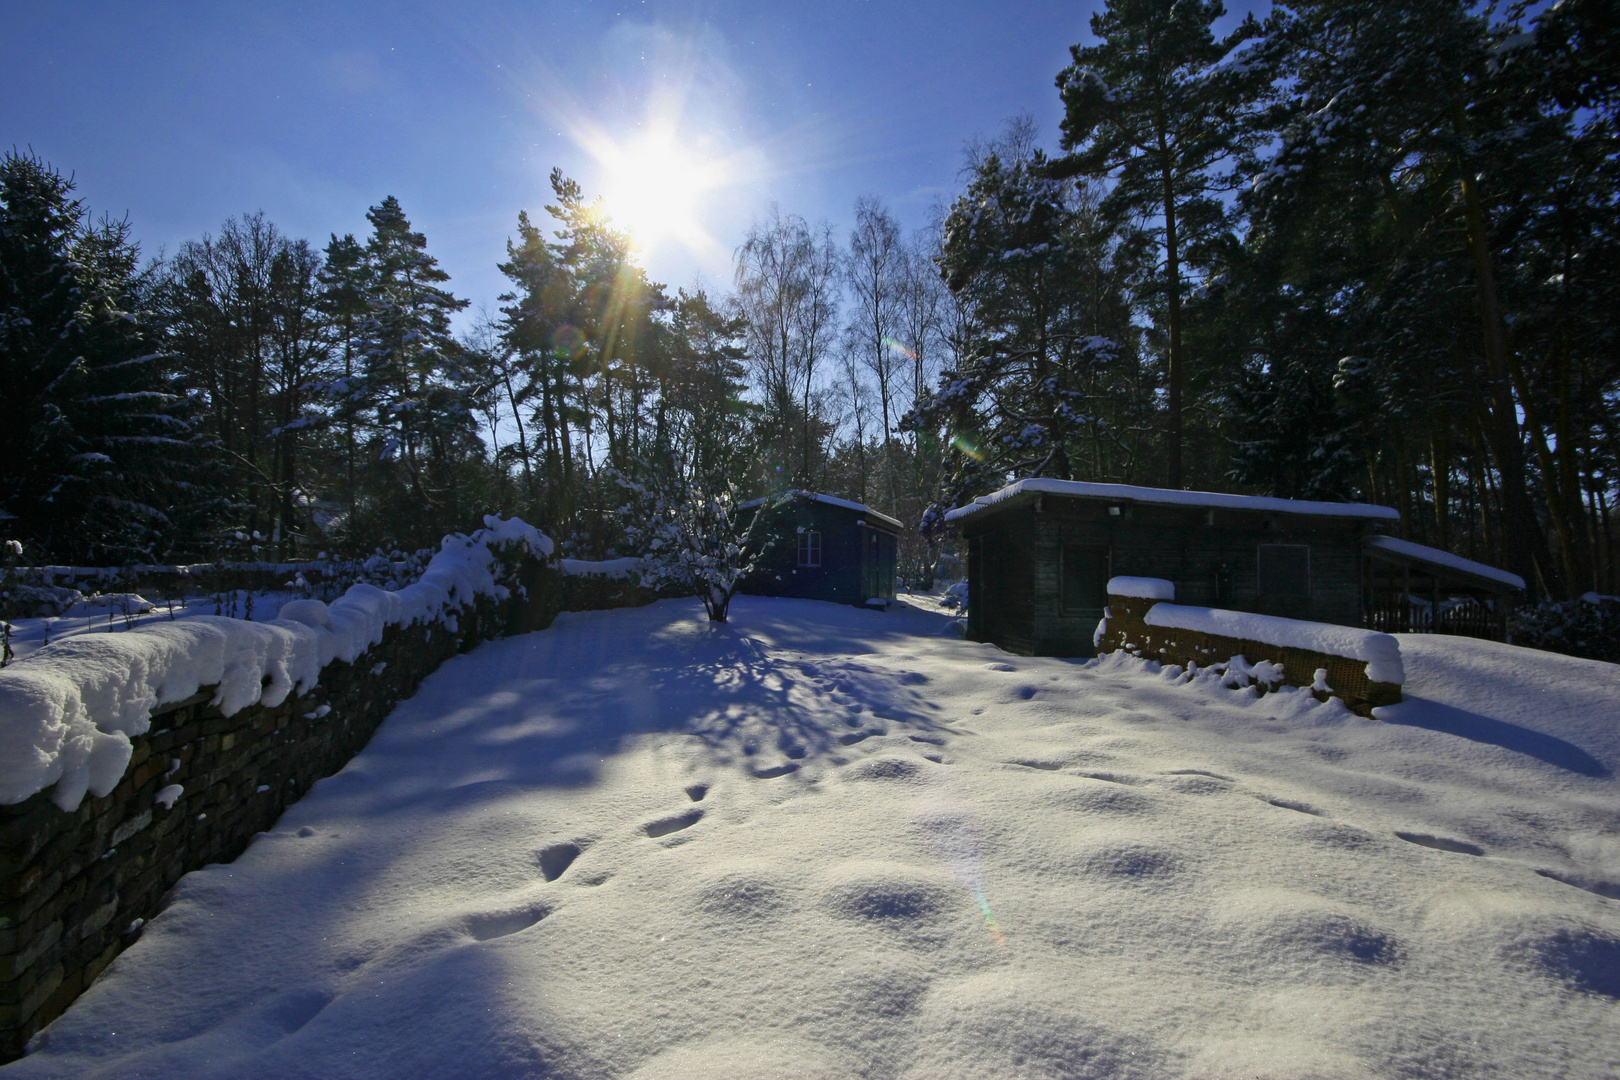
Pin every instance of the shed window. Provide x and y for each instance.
(1285, 570)
(1084, 578)
(809, 548)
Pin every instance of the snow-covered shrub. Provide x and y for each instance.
(25, 601)
(916, 572)
(693, 542)
(390, 570)
(23, 593)
(1588, 627)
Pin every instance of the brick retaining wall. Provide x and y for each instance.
(75, 887)
(1126, 629)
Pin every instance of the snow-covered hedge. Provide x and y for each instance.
(609, 568)
(1588, 627)
(1380, 652)
(67, 712)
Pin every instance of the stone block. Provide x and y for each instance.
(132, 826)
(14, 964)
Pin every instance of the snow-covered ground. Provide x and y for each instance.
(822, 841)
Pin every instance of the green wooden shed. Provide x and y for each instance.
(826, 548)
(1040, 553)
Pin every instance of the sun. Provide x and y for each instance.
(654, 188)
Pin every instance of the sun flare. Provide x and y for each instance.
(655, 187)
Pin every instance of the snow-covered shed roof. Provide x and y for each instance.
(1404, 552)
(1128, 493)
(832, 500)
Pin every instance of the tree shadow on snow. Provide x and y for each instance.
(547, 709)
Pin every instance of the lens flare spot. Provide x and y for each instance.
(966, 445)
(895, 346)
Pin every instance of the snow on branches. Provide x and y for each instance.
(694, 541)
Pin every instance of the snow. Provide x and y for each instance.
(1380, 652)
(1143, 588)
(832, 500)
(1125, 493)
(67, 711)
(612, 568)
(819, 841)
(1396, 546)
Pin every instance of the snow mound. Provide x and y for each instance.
(67, 712)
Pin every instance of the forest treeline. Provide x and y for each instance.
(1352, 251)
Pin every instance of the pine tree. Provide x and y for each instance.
(1047, 346)
(1408, 162)
(101, 464)
(411, 380)
(1153, 108)
(345, 282)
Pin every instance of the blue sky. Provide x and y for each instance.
(181, 115)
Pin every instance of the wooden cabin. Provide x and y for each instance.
(1040, 553)
(826, 548)
(1411, 588)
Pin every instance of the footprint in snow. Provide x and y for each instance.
(1440, 843)
(695, 792)
(1303, 808)
(1112, 778)
(486, 926)
(1197, 772)
(672, 822)
(556, 858)
(1609, 889)
(999, 667)
(771, 772)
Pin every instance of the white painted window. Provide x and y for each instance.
(809, 548)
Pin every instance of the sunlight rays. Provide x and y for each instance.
(663, 140)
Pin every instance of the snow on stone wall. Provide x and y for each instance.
(68, 711)
(1146, 588)
(1380, 652)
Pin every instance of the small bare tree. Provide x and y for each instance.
(696, 541)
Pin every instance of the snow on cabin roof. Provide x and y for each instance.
(832, 500)
(1436, 557)
(1169, 496)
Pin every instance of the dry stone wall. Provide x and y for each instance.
(76, 887)
(1125, 628)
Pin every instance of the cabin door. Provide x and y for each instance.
(877, 566)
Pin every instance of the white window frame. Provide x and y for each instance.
(809, 547)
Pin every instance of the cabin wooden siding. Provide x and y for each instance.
(1016, 566)
(1000, 566)
(858, 558)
